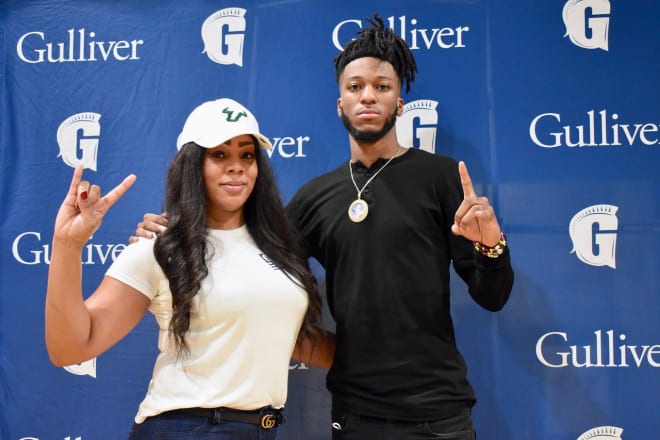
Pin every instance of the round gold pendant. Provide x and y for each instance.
(358, 210)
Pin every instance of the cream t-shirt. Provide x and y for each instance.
(243, 327)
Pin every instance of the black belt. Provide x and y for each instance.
(267, 417)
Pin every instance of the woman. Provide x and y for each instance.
(228, 284)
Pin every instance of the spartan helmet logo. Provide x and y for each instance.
(418, 125)
(593, 232)
(587, 23)
(223, 33)
(78, 139)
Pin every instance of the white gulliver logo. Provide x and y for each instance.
(417, 125)
(80, 45)
(608, 349)
(223, 33)
(600, 129)
(417, 35)
(79, 134)
(593, 232)
(602, 433)
(587, 23)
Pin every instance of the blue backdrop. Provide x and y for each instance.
(553, 105)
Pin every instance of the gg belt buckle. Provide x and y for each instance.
(268, 421)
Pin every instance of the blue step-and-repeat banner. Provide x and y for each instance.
(553, 105)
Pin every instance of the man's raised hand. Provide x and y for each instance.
(475, 219)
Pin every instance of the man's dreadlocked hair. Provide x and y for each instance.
(379, 42)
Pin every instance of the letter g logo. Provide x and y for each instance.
(79, 132)
(593, 231)
(587, 22)
(418, 125)
(223, 33)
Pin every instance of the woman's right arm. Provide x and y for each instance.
(78, 330)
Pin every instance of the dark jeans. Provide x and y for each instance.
(182, 426)
(351, 426)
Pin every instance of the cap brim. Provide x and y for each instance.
(263, 141)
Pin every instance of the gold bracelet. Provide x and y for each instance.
(491, 252)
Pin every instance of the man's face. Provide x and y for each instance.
(369, 100)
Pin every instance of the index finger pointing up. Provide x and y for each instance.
(466, 182)
(75, 180)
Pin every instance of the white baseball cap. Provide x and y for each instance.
(215, 122)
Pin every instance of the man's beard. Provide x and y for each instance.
(368, 136)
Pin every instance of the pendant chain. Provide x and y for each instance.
(350, 169)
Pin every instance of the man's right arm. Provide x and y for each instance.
(150, 226)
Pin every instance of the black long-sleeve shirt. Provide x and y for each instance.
(387, 284)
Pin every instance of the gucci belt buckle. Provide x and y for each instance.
(268, 421)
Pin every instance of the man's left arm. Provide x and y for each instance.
(479, 249)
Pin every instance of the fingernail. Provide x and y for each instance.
(83, 195)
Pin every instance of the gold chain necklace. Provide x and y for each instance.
(359, 209)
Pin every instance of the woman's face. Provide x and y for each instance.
(230, 171)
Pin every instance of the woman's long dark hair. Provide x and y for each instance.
(181, 251)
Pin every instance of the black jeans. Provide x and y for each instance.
(351, 426)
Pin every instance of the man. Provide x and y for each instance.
(386, 226)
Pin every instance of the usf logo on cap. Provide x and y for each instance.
(230, 115)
